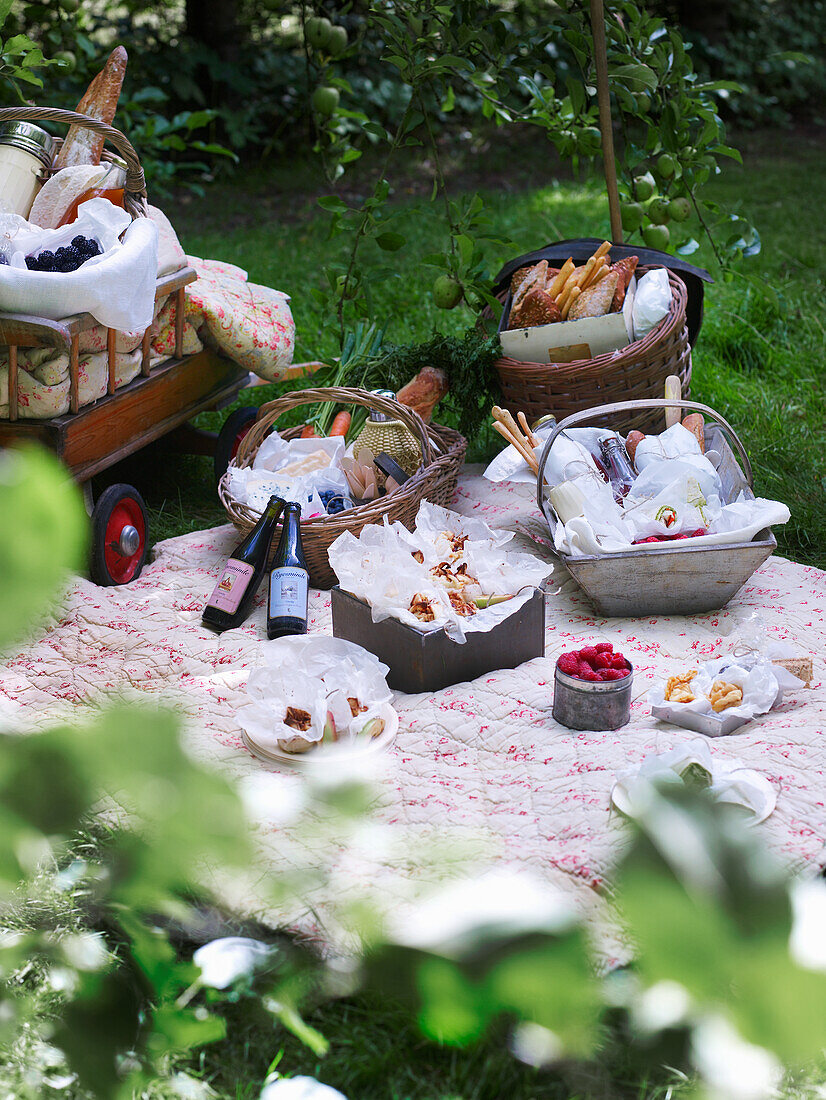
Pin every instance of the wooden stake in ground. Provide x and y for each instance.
(604, 101)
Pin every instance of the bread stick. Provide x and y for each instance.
(529, 457)
(566, 309)
(560, 277)
(570, 282)
(591, 277)
(526, 428)
(603, 250)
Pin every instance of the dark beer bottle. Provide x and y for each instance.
(289, 580)
(231, 600)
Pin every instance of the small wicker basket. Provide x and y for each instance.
(635, 372)
(443, 451)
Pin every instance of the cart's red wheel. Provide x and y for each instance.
(119, 536)
(234, 428)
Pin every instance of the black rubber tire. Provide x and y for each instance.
(105, 505)
(227, 443)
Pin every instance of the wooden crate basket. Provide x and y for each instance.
(443, 452)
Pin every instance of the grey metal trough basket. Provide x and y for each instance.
(670, 579)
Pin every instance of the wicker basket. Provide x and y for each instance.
(443, 452)
(636, 372)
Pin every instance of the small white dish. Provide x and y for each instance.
(330, 752)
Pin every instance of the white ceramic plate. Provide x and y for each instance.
(330, 753)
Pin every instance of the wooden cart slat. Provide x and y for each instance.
(117, 425)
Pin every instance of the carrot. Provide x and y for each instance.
(341, 423)
(307, 432)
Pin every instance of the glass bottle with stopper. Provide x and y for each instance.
(382, 434)
(231, 599)
(617, 465)
(289, 580)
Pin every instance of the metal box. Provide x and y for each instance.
(429, 660)
(671, 579)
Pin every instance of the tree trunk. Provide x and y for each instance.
(215, 24)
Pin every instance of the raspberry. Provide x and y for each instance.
(583, 667)
(618, 661)
(602, 660)
(588, 653)
(587, 673)
(604, 647)
(568, 663)
(613, 673)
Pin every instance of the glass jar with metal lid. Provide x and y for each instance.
(25, 151)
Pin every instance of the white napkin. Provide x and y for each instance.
(728, 781)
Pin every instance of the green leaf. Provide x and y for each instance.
(452, 1010)
(43, 536)
(639, 77)
(332, 203)
(449, 102)
(294, 1023)
(390, 242)
(465, 246)
(5, 8)
(177, 1030)
(726, 151)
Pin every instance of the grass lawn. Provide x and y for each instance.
(759, 359)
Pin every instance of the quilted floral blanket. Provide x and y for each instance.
(480, 773)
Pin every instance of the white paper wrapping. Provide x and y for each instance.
(729, 781)
(316, 674)
(296, 469)
(117, 288)
(758, 681)
(379, 568)
(651, 302)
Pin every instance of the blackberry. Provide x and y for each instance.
(32, 263)
(46, 259)
(79, 242)
(93, 248)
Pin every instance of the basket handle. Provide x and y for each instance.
(269, 413)
(630, 406)
(134, 189)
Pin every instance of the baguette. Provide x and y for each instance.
(100, 102)
(424, 392)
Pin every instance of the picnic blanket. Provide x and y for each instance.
(480, 773)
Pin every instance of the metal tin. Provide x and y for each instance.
(591, 705)
(376, 416)
(32, 139)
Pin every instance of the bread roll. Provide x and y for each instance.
(624, 270)
(100, 102)
(696, 425)
(536, 308)
(633, 441)
(424, 392)
(63, 188)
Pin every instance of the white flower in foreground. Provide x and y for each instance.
(807, 942)
(272, 799)
(731, 1067)
(224, 961)
(665, 1004)
(299, 1088)
(496, 904)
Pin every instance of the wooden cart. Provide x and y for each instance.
(92, 438)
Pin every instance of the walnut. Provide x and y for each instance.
(677, 689)
(355, 706)
(723, 695)
(418, 555)
(422, 608)
(298, 719)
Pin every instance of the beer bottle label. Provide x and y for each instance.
(230, 589)
(288, 593)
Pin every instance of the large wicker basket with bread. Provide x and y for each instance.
(635, 372)
(443, 452)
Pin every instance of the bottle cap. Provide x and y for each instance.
(380, 417)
